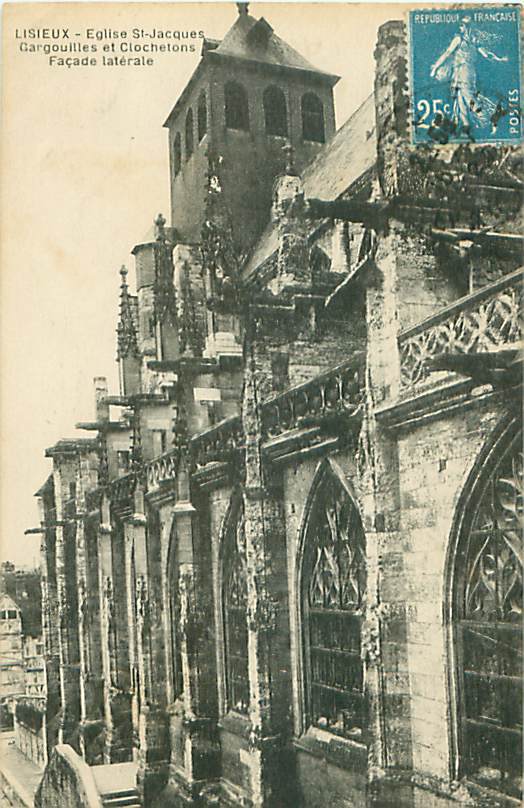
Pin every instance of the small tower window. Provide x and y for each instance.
(177, 153)
(237, 113)
(189, 134)
(202, 116)
(312, 118)
(275, 111)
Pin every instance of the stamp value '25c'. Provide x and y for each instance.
(465, 75)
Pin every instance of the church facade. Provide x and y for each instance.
(284, 567)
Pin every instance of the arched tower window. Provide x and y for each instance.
(275, 111)
(236, 106)
(487, 623)
(235, 618)
(312, 118)
(177, 153)
(189, 133)
(202, 116)
(333, 588)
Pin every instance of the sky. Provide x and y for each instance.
(85, 171)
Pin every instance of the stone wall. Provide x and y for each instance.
(67, 782)
(30, 734)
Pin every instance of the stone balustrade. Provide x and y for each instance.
(219, 443)
(335, 392)
(122, 489)
(485, 321)
(161, 469)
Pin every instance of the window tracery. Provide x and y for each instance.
(488, 614)
(235, 616)
(333, 600)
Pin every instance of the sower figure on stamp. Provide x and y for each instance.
(458, 63)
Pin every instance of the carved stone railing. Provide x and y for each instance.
(330, 395)
(335, 393)
(482, 322)
(218, 444)
(162, 469)
(121, 489)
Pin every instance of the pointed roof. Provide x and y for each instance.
(249, 38)
(127, 328)
(255, 41)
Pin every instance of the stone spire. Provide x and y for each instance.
(191, 341)
(126, 330)
(164, 288)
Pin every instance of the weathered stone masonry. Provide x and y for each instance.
(278, 576)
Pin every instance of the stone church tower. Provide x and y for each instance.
(250, 94)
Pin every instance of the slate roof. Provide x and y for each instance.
(275, 51)
(350, 153)
(347, 156)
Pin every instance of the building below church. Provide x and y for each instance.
(283, 568)
(22, 666)
(12, 675)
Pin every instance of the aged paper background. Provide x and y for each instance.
(85, 170)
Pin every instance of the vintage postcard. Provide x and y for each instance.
(262, 468)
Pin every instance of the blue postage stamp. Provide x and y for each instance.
(465, 75)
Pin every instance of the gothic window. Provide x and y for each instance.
(189, 133)
(312, 118)
(235, 616)
(236, 106)
(487, 603)
(333, 598)
(177, 154)
(275, 111)
(178, 686)
(202, 116)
